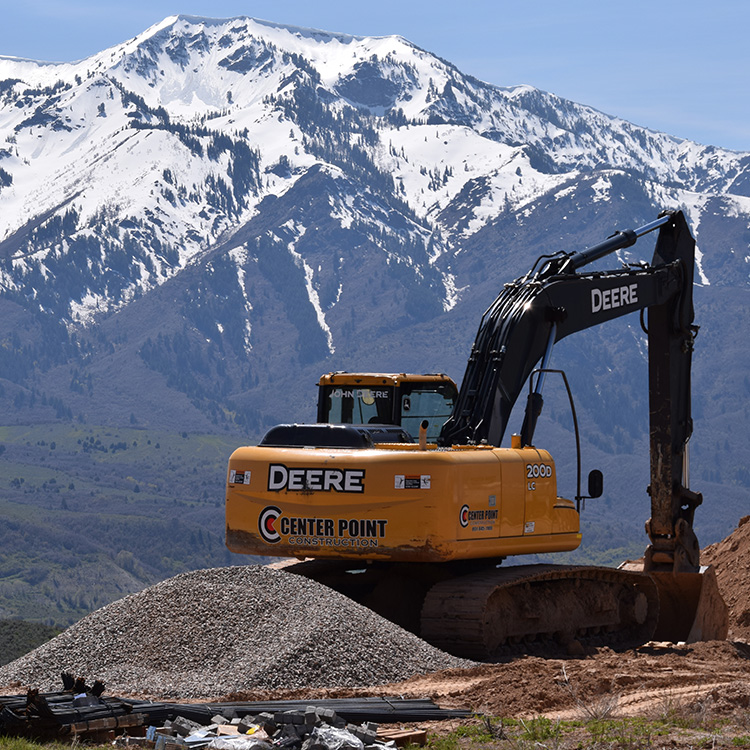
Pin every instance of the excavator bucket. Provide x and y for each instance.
(691, 607)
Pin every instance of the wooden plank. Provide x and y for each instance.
(227, 729)
(110, 722)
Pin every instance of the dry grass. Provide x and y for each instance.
(603, 707)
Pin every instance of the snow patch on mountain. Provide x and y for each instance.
(312, 293)
(240, 256)
(694, 207)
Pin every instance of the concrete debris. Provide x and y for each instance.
(307, 729)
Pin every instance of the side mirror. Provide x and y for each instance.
(596, 483)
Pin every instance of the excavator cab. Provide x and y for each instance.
(387, 398)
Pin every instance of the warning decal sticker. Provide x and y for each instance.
(411, 482)
(239, 477)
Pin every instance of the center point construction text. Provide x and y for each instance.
(330, 532)
(311, 531)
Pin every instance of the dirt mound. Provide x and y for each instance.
(731, 558)
(648, 680)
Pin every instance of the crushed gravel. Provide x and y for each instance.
(214, 632)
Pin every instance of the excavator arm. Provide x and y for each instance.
(555, 300)
(671, 333)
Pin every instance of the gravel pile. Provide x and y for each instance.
(213, 632)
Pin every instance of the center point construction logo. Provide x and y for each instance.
(266, 520)
(467, 516)
(319, 532)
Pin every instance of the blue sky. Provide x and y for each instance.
(681, 67)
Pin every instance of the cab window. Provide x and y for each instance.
(351, 405)
(433, 403)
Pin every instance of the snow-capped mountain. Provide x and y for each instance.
(197, 221)
(134, 163)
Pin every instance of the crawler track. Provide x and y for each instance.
(492, 611)
(480, 614)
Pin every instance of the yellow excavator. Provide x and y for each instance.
(415, 523)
